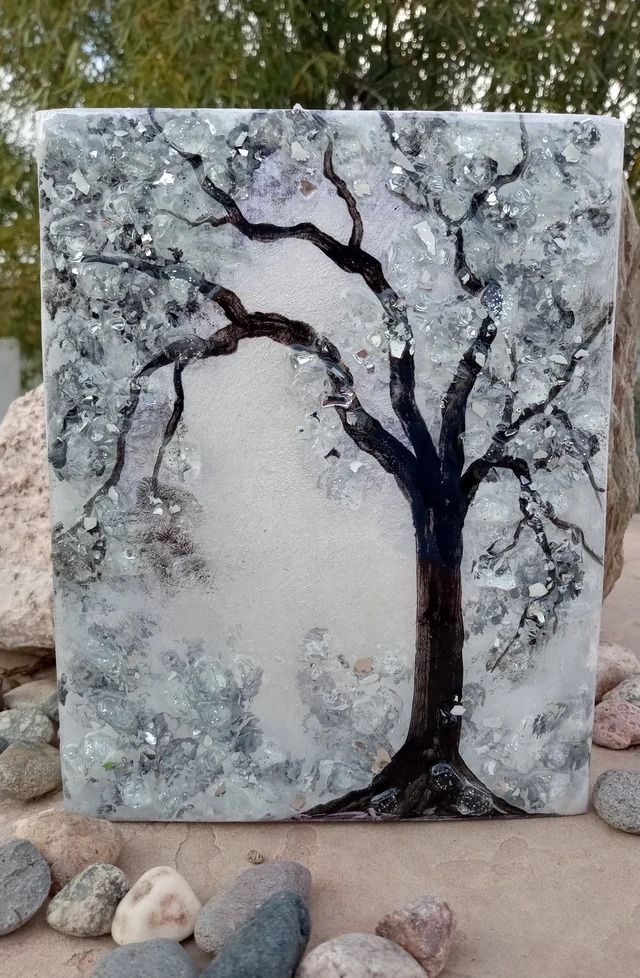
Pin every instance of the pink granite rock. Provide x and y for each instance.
(26, 592)
(615, 664)
(70, 842)
(616, 724)
(425, 929)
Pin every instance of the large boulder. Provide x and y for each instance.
(624, 470)
(26, 594)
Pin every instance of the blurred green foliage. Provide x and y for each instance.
(549, 55)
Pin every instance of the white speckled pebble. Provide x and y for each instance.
(161, 904)
(359, 956)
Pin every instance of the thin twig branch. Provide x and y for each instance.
(363, 429)
(343, 191)
(173, 422)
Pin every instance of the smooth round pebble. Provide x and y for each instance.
(269, 945)
(359, 956)
(424, 928)
(70, 842)
(616, 799)
(236, 903)
(616, 724)
(150, 959)
(29, 770)
(160, 904)
(41, 694)
(26, 726)
(86, 906)
(25, 881)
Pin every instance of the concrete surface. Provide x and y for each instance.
(545, 898)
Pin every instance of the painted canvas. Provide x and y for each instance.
(327, 400)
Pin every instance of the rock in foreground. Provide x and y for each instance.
(86, 906)
(41, 694)
(616, 724)
(615, 664)
(29, 771)
(228, 910)
(25, 881)
(628, 690)
(26, 726)
(26, 592)
(359, 956)
(70, 842)
(160, 904)
(424, 928)
(616, 799)
(269, 945)
(151, 959)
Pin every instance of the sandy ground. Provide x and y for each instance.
(558, 898)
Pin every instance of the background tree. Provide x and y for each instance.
(523, 55)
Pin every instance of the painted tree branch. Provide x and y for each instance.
(343, 191)
(454, 403)
(351, 258)
(174, 421)
(363, 429)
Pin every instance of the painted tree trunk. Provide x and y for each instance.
(427, 777)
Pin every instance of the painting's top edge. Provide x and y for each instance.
(43, 114)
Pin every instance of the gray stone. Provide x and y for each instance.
(3, 744)
(150, 959)
(41, 694)
(615, 664)
(25, 880)
(229, 909)
(85, 906)
(26, 726)
(616, 799)
(628, 691)
(269, 945)
(359, 956)
(29, 771)
(424, 928)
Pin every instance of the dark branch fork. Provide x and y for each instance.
(353, 259)
(364, 430)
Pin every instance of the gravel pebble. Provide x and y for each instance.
(41, 694)
(70, 842)
(26, 726)
(616, 724)
(160, 904)
(629, 691)
(236, 903)
(29, 770)
(359, 956)
(616, 799)
(25, 881)
(149, 959)
(86, 905)
(615, 664)
(269, 945)
(424, 928)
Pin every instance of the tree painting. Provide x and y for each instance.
(493, 295)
